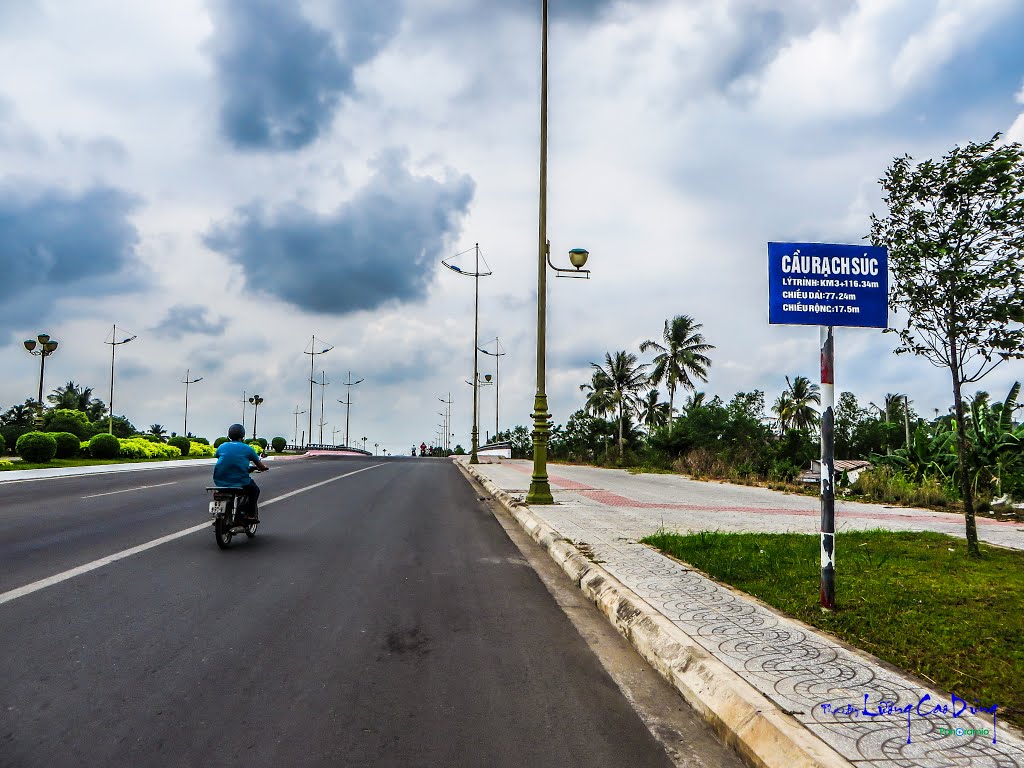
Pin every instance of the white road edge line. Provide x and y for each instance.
(128, 490)
(35, 586)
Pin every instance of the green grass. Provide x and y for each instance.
(913, 599)
(80, 463)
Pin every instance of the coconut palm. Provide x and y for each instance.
(600, 401)
(157, 430)
(802, 392)
(680, 358)
(71, 396)
(793, 407)
(653, 413)
(622, 377)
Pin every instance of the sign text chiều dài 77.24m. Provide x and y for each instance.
(827, 284)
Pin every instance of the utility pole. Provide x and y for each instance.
(312, 356)
(295, 437)
(323, 386)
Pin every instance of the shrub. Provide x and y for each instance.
(219, 442)
(67, 444)
(37, 447)
(278, 443)
(3, 445)
(66, 420)
(255, 445)
(201, 440)
(200, 450)
(262, 441)
(181, 443)
(104, 446)
(83, 449)
(138, 448)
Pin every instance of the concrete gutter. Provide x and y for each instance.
(761, 733)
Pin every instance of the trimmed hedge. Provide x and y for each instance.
(67, 444)
(138, 448)
(220, 441)
(181, 443)
(278, 444)
(200, 450)
(263, 442)
(104, 446)
(36, 447)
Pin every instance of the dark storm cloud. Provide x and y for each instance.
(63, 243)
(187, 319)
(281, 77)
(383, 245)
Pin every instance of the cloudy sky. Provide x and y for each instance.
(226, 178)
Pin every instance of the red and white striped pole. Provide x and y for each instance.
(828, 469)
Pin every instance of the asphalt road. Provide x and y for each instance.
(381, 618)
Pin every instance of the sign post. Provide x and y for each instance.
(828, 285)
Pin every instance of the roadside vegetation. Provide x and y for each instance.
(913, 599)
(76, 429)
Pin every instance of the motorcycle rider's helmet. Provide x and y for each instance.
(236, 432)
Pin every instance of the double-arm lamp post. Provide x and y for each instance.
(42, 346)
(347, 402)
(496, 354)
(476, 274)
(540, 488)
(114, 344)
(312, 357)
(187, 381)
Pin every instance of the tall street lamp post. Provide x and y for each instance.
(364, 443)
(312, 356)
(187, 381)
(256, 401)
(46, 347)
(323, 388)
(496, 354)
(476, 274)
(114, 344)
(295, 438)
(540, 488)
(347, 402)
(447, 420)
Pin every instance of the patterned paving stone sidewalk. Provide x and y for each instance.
(874, 716)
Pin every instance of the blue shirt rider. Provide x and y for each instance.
(232, 470)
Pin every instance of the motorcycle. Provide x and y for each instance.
(228, 512)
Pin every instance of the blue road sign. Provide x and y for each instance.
(828, 284)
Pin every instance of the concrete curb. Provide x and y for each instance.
(761, 733)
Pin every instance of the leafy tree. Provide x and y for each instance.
(67, 420)
(955, 233)
(622, 376)
(680, 358)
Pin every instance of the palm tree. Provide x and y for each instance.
(694, 402)
(71, 396)
(652, 413)
(680, 358)
(600, 401)
(158, 431)
(794, 405)
(622, 376)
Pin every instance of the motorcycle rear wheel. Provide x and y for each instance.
(222, 533)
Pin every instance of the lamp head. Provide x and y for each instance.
(50, 347)
(30, 344)
(487, 377)
(43, 338)
(578, 257)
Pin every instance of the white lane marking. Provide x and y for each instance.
(35, 586)
(127, 490)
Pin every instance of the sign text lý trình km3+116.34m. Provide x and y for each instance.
(827, 284)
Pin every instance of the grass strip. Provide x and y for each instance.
(16, 465)
(915, 600)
